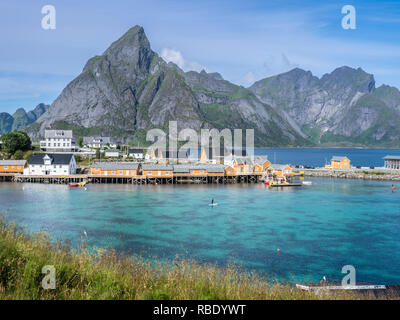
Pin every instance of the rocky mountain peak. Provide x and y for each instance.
(347, 77)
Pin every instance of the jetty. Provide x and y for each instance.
(137, 179)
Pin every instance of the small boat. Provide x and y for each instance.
(307, 183)
(73, 185)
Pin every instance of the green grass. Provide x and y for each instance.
(88, 273)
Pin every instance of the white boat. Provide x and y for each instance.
(307, 183)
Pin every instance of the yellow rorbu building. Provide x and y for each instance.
(112, 169)
(12, 166)
(339, 162)
(157, 170)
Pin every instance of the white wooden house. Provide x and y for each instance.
(51, 164)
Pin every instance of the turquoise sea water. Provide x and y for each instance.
(318, 228)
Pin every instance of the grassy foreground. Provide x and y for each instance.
(102, 274)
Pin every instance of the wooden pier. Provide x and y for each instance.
(139, 179)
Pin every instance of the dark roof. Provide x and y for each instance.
(136, 150)
(57, 158)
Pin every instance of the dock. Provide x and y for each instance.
(136, 179)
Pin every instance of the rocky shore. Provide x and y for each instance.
(354, 174)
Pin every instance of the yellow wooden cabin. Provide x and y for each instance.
(242, 165)
(12, 166)
(339, 162)
(279, 169)
(261, 163)
(157, 170)
(119, 169)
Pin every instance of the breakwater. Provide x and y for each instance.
(354, 174)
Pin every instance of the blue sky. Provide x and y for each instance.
(243, 40)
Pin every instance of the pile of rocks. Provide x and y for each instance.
(353, 175)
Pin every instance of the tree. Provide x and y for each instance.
(98, 154)
(16, 140)
(19, 155)
(80, 142)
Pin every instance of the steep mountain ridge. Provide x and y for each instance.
(20, 119)
(130, 89)
(342, 107)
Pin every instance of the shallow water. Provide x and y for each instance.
(318, 228)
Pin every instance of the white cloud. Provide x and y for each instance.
(175, 56)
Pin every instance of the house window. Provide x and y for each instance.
(149, 172)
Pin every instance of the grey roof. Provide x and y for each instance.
(113, 150)
(101, 140)
(160, 167)
(338, 158)
(243, 160)
(187, 168)
(58, 134)
(388, 157)
(136, 150)
(215, 168)
(12, 162)
(57, 158)
(278, 166)
(260, 159)
(116, 165)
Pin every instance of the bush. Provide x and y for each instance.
(19, 155)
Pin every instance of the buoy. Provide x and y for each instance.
(278, 250)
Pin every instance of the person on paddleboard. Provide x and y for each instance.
(212, 201)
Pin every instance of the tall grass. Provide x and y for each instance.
(104, 274)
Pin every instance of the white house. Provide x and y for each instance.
(112, 153)
(136, 153)
(98, 142)
(51, 164)
(58, 141)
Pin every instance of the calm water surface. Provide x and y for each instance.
(318, 228)
(318, 157)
